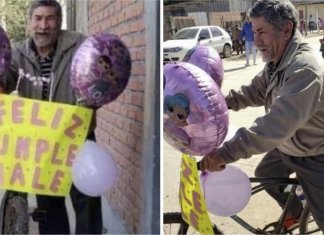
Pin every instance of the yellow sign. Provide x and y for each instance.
(192, 201)
(38, 143)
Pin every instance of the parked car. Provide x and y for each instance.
(187, 38)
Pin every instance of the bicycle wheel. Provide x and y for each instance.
(307, 224)
(16, 217)
(174, 224)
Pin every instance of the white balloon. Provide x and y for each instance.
(226, 192)
(94, 171)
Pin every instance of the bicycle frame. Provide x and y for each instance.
(276, 227)
(263, 184)
(266, 182)
(271, 228)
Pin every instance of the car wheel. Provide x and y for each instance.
(227, 51)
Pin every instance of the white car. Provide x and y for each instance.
(187, 38)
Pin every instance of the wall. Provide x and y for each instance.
(120, 124)
(201, 18)
(311, 9)
(224, 13)
(225, 19)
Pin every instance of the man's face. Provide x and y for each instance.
(270, 42)
(43, 26)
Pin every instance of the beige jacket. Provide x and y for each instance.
(293, 98)
(25, 73)
(26, 70)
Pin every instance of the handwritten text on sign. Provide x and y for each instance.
(191, 199)
(38, 142)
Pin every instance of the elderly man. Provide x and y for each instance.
(290, 87)
(45, 56)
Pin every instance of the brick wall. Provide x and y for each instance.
(120, 123)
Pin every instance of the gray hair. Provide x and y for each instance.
(46, 3)
(276, 12)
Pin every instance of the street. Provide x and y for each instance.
(261, 209)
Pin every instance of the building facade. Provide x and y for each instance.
(129, 127)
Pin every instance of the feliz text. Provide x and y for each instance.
(38, 143)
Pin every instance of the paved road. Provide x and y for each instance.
(261, 208)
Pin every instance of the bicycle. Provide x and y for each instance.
(15, 213)
(307, 224)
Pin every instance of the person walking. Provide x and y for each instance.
(311, 23)
(291, 88)
(302, 27)
(46, 56)
(320, 24)
(236, 37)
(247, 35)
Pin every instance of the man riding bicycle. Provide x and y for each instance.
(290, 87)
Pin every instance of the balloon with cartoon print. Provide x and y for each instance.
(100, 69)
(195, 114)
(5, 52)
(208, 59)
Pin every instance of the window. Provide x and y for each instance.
(215, 32)
(186, 34)
(204, 34)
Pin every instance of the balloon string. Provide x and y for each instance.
(18, 82)
(204, 174)
(50, 97)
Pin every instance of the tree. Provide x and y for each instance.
(13, 18)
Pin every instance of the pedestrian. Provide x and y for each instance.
(322, 45)
(290, 87)
(311, 23)
(247, 34)
(320, 24)
(302, 27)
(237, 39)
(46, 56)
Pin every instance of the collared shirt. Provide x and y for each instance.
(45, 64)
(271, 68)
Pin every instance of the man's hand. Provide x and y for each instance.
(212, 162)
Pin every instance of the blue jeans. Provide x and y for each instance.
(249, 46)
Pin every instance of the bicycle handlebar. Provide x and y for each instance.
(267, 180)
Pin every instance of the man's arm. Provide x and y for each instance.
(248, 96)
(296, 102)
(242, 33)
(8, 81)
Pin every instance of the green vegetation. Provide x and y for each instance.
(13, 18)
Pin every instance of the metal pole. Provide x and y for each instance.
(306, 18)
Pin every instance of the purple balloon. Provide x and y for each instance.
(195, 119)
(100, 69)
(5, 52)
(207, 59)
